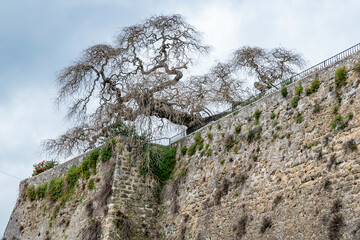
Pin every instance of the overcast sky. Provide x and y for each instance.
(40, 37)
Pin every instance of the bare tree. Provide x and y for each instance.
(221, 85)
(136, 80)
(268, 67)
(137, 84)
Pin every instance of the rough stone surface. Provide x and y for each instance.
(294, 177)
(292, 174)
(89, 214)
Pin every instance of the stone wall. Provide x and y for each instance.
(297, 178)
(133, 205)
(121, 204)
(287, 175)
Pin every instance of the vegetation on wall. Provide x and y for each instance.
(299, 89)
(106, 150)
(159, 161)
(284, 91)
(63, 187)
(41, 191)
(338, 123)
(43, 166)
(257, 114)
(340, 77)
(30, 191)
(295, 101)
(55, 189)
(238, 128)
(191, 150)
(314, 86)
(183, 150)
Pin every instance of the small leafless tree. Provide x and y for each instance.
(137, 80)
(221, 85)
(268, 67)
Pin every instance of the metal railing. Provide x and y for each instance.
(330, 61)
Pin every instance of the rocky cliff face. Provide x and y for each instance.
(279, 168)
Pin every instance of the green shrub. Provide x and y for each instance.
(83, 169)
(31, 192)
(91, 184)
(336, 109)
(308, 91)
(238, 128)
(72, 176)
(84, 165)
(315, 84)
(93, 158)
(317, 108)
(192, 150)
(257, 114)
(162, 162)
(284, 91)
(207, 146)
(299, 89)
(299, 119)
(183, 150)
(86, 174)
(295, 101)
(94, 154)
(55, 188)
(41, 191)
(210, 136)
(198, 139)
(338, 123)
(201, 146)
(272, 116)
(222, 162)
(333, 125)
(209, 153)
(350, 145)
(340, 77)
(218, 126)
(106, 151)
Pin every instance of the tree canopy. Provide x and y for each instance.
(137, 84)
(268, 67)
